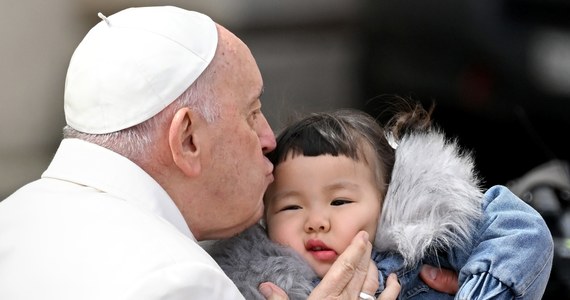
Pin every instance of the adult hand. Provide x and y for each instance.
(442, 280)
(352, 273)
(342, 282)
(346, 277)
(272, 292)
(392, 289)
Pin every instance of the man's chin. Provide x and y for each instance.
(236, 229)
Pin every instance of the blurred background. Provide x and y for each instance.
(498, 72)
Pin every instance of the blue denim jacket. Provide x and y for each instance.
(511, 258)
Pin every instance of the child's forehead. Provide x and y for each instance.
(365, 154)
(360, 150)
(312, 171)
(352, 148)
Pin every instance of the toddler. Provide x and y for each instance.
(416, 194)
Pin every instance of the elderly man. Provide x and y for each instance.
(164, 146)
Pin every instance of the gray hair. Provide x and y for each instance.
(134, 142)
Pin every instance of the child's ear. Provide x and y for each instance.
(183, 141)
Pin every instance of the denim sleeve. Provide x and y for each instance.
(513, 252)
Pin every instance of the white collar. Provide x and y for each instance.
(91, 165)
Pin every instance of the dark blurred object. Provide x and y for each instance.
(547, 189)
(497, 70)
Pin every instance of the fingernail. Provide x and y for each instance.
(394, 276)
(432, 272)
(265, 290)
(365, 236)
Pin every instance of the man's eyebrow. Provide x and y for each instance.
(257, 100)
(261, 91)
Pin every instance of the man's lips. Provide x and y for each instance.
(320, 251)
(270, 166)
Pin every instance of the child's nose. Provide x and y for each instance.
(317, 224)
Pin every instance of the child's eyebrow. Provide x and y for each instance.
(283, 194)
(342, 185)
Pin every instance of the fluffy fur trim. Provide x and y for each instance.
(251, 258)
(433, 200)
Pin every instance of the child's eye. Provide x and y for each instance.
(290, 207)
(339, 202)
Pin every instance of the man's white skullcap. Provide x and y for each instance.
(133, 64)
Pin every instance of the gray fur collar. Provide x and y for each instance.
(431, 204)
(433, 199)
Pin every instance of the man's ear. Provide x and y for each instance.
(182, 140)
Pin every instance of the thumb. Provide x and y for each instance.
(442, 280)
(272, 292)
